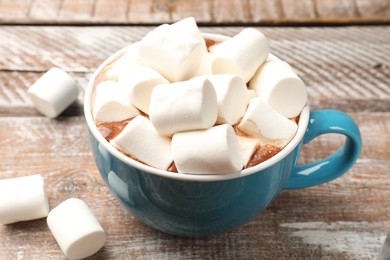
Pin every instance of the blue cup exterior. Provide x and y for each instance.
(193, 208)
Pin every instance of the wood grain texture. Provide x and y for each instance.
(345, 68)
(205, 11)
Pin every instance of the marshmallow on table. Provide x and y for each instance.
(263, 122)
(248, 147)
(22, 198)
(76, 229)
(174, 50)
(232, 97)
(212, 151)
(111, 104)
(129, 58)
(183, 106)
(241, 55)
(137, 82)
(280, 87)
(53, 92)
(141, 142)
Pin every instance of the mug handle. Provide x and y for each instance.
(325, 122)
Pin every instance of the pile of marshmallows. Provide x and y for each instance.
(193, 96)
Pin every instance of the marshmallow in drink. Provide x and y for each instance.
(76, 229)
(53, 92)
(183, 106)
(232, 97)
(252, 93)
(248, 147)
(137, 82)
(141, 142)
(280, 87)
(174, 50)
(263, 122)
(205, 65)
(23, 198)
(212, 151)
(111, 105)
(129, 58)
(241, 55)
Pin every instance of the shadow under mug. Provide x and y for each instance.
(201, 205)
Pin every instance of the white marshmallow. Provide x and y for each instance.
(141, 142)
(248, 147)
(53, 92)
(183, 106)
(76, 229)
(252, 93)
(138, 81)
(205, 64)
(111, 104)
(263, 122)
(174, 50)
(279, 86)
(212, 151)
(232, 97)
(241, 55)
(22, 198)
(129, 58)
(272, 57)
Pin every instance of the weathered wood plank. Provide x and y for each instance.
(345, 219)
(205, 11)
(346, 68)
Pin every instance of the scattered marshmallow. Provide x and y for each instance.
(263, 122)
(183, 106)
(141, 142)
(241, 55)
(248, 147)
(23, 198)
(279, 86)
(212, 151)
(232, 97)
(138, 81)
(129, 58)
(53, 92)
(111, 105)
(174, 50)
(76, 229)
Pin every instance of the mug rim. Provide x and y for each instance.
(302, 126)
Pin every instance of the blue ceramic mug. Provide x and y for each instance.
(200, 205)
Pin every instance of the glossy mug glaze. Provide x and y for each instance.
(200, 205)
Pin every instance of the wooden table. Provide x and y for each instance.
(344, 67)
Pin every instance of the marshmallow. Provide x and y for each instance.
(248, 147)
(183, 106)
(141, 142)
(111, 105)
(53, 92)
(76, 229)
(138, 81)
(241, 55)
(22, 198)
(174, 50)
(263, 122)
(205, 64)
(129, 58)
(232, 97)
(280, 87)
(252, 93)
(212, 151)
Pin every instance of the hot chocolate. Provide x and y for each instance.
(236, 141)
